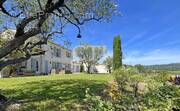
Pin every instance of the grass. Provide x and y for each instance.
(52, 92)
(174, 72)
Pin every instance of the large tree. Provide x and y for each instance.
(117, 53)
(90, 55)
(45, 18)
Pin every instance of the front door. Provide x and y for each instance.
(37, 66)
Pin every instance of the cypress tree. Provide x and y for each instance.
(117, 53)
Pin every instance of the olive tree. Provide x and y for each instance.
(90, 55)
(44, 18)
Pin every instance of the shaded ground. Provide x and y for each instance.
(52, 92)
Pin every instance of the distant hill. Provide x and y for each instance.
(169, 67)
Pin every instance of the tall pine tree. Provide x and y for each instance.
(117, 53)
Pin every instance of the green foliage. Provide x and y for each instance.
(8, 35)
(117, 53)
(94, 92)
(90, 55)
(167, 67)
(140, 68)
(51, 105)
(112, 90)
(54, 92)
(141, 92)
(163, 98)
(9, 71)
(5, 37)
(163, 77)
(96, 103)
(82, 9)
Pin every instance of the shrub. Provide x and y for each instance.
(112, 91)
(125, 93)
(163, 76)
(96, 103)
(140, 68)
(164, 98)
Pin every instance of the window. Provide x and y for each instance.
(68, 54)
(59, 65)
(37, 66)
(23, 64)
(56, 52)
(68, 66)
(53, 65)
(77, 68)
(56, 65)
(33, 64)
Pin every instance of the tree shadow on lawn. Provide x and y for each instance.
(60, 91)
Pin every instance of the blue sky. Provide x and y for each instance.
(149, 29)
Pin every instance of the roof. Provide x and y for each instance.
(50, 42)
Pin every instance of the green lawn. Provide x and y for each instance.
(52, 92)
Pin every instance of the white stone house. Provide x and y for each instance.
(100, 68)
(76, 66)
(56, 58)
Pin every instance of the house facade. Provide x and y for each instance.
(56, 58)
(99, 68)
(76, 66)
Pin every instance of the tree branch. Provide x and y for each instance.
(40, 6)
(79, 30)
(83, 21)
(5, 63)
(20, 36)
(3, 10)
(20, 27)
(16, 42)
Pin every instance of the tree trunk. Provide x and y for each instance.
(110, 70)
(89, 69)
(20, 36)
(17, 42)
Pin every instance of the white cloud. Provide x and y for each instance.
(157, 56)
(136, 37)
(170, 43)
(155, 36)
